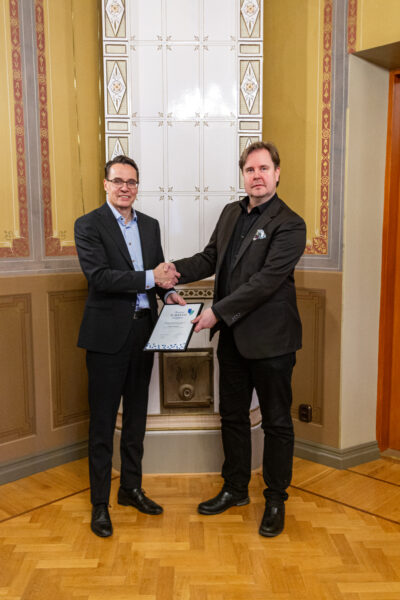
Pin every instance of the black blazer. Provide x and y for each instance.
(262, 308)
(113, 283)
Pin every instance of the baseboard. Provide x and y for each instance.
(24, 467)
(335, 457)
(187, 451)
(390, 453)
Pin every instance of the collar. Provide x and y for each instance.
(244, 203)
(118, 215)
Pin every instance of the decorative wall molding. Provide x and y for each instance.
(352, 26)
(324, 252)
(16, 368)
(18, 240)
(68, 369)
(308, 374)
(319, 244)
(190, 422)
(42, 372)
(53, 246)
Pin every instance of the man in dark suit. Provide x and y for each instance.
(120, 253)
(253, 252)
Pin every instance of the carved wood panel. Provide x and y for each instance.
(68, 370)
(17, 396)
(308, 372)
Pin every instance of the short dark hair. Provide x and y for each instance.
(272, 149)
(121, 160)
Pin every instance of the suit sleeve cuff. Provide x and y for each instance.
(150, 283)
(216, 313)
(168, 294)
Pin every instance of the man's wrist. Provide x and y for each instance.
(168, 294)
(217, 316)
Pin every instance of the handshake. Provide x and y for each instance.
(165, 275)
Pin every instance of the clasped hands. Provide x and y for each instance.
(166, 276)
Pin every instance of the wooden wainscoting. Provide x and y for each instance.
(308, 374)
(43, 387)
(68, 369)
(17, 407)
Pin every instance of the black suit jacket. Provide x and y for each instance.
(113, 282)
(261, 308)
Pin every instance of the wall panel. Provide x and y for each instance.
(43, 385)
(308, 374)
(17, 406)
(68, 368)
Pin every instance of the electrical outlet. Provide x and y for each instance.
(305, 413)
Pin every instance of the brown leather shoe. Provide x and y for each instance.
(273, 520)
(139, 500)
(101, 523)
(221, 502)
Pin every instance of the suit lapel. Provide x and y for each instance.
(261, 223)
(114, 230)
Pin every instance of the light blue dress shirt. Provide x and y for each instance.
(132, 240)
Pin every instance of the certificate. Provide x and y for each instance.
(174, 328)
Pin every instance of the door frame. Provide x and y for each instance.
(390, 252)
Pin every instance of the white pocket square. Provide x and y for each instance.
(259, 235)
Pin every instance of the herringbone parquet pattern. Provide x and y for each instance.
(328, 551)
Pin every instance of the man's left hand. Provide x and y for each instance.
(206, 320)
(175, 298)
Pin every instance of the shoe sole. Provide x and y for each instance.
(268, 534)
(102, 535)
(218, 512)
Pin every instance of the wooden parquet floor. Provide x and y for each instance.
(341, 541)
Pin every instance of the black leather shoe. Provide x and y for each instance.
(101, 523)
(138, 499)
(273, 521)
(222, 502)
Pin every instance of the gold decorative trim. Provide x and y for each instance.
(19, 246)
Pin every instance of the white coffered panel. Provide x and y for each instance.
(147, 91)
(183, 82)
(145, 22)
(220, 20)
(154, 206)
(148, 150)
(183, 96)
(183, 157)
(220, 82)
(182, 19)
(220, 165)
(183, 225)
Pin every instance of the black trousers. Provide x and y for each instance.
(271, 378)
(126, 373)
